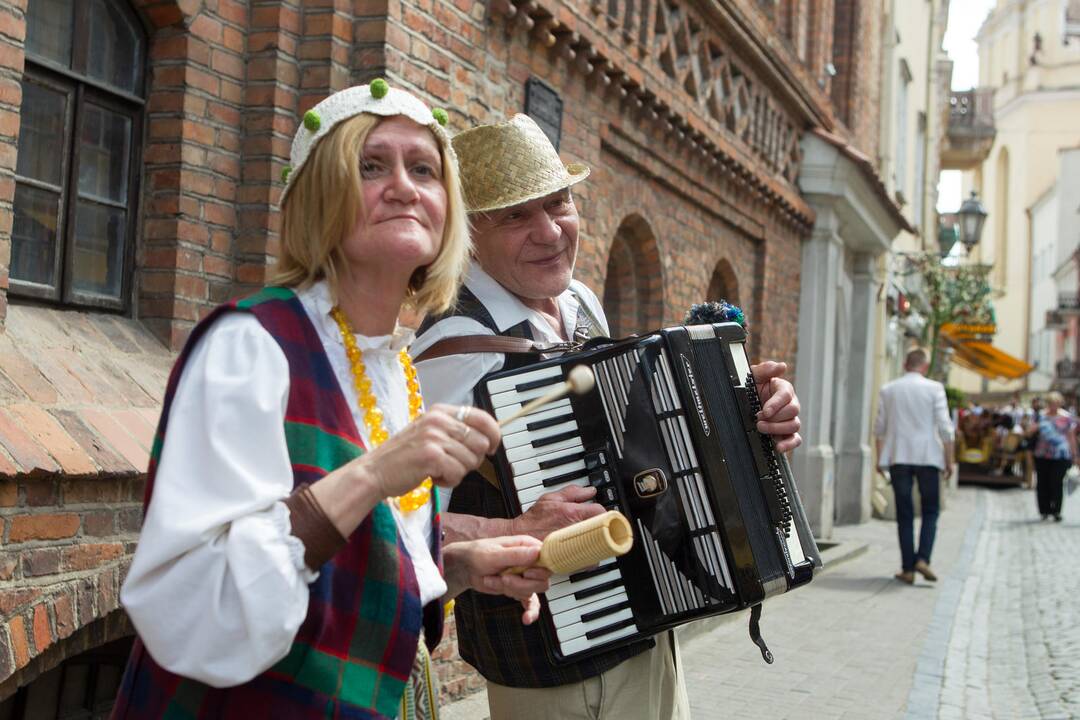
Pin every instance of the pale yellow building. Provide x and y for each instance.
(1029, 54)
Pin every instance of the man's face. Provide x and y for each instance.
(530, 248)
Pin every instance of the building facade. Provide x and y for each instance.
(142, 144)
(1029, 56)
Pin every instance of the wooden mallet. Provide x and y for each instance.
(579, 381)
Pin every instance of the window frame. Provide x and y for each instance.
(83, 90)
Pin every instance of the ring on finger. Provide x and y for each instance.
(462, 413)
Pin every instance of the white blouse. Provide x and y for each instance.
(218, 587)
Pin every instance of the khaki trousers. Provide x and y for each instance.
(649, 686)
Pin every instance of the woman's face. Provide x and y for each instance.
(400, 224)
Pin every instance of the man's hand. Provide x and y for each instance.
(779, 415)
(478, 564)
(557, 510)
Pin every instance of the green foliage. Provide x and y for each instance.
(955, 397)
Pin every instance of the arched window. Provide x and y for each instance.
(633, 288)
(724, 284)
(78, 165)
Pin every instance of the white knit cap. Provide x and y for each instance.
(378, 98)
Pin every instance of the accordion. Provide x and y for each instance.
(667, 436)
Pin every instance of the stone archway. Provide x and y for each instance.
(633, 285)
(724, 284)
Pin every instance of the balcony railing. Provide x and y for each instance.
(1054, 320)
(1069, 303)
(971, 129)
(1067, 369)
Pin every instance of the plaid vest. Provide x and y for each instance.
(354, 651)
(490, 635)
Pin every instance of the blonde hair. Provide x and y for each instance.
(322, 206)
(1054, 397)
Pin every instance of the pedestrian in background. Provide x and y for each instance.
(1055, 451)
(913, 434)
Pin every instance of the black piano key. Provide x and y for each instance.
(597, 589)
(608, 629)
(565, 477)
(586, 574)
(598, 478)
(550, 422)
(594, 460)
(561, 460)
(552, 439)
(542, 382)
(589, 616)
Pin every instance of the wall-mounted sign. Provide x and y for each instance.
(544, 106)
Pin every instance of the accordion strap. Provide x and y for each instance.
(465, 344)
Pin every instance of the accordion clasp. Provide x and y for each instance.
(650, 483)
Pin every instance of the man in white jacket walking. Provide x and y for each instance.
(914, 437)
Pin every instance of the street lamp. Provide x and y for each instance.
(972, 216)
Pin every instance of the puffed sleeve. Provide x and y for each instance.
(217, 588)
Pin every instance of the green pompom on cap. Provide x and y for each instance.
(285, 173)
(312, 121)
(379, 88)
(440, 116)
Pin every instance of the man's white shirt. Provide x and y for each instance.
(913, 421)
(451, 378)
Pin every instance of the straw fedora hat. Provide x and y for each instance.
(510, 163)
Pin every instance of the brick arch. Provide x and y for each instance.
(634, 285)
(724, 284)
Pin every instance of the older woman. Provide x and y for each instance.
(1055, 451)
(291, 554)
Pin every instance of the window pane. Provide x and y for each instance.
(115, 47)
(33, 235)
(104, 146)
(98, 258)
(48, 29)
(41, 133)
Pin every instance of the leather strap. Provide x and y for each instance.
(465, 344)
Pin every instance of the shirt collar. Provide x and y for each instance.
(318, 295)
(507, 310)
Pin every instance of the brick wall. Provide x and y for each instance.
(12, 39)
(690, 118)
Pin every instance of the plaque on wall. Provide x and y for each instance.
(544, 106)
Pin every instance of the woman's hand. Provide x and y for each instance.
(478, 564)
(444, 444)
(779, 415)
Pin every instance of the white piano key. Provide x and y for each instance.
(531, 495)
(524, 452)
(505, 411)
(565, 587)
(526, 437)
(795, 548)
(513, 397)
(528, 480)
(580, 644)
(532, 464)
(567, 605)
(573, 615)
(742, 365)
(509, 383)
(544, 413)
(579, 629)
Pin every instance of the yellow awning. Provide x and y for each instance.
(982, 357)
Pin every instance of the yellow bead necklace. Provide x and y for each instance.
(373, 416)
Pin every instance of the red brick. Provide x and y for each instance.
(99, 524)
(26, 375)
(117, 438)
(43, 636)
(40, 493)
(64, 611)
(20, 643)
(9, 493)
(92, 490)
(41, 561)
(88, 556)
(51, 526)
(24, 449)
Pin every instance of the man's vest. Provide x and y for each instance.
(491, 636)
(354, 651)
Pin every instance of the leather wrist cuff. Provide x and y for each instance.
(310, 524)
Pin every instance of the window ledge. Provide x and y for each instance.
(80, 393)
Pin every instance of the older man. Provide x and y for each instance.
(520, 285)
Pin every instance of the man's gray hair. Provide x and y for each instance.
(915, 359)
